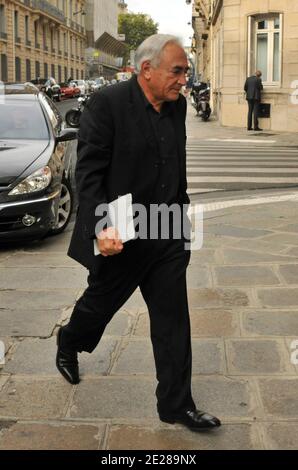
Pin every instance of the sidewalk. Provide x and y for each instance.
(204, 131)
(243, 296)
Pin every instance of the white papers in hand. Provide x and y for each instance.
(121, 216)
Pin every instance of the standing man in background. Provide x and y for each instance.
(253, 87)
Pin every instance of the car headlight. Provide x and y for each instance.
(39, 180)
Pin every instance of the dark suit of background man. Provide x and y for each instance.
(132, 140)
(253, 87)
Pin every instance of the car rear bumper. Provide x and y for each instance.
(43, 209)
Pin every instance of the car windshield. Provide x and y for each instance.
(22, 120)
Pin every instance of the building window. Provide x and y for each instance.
(58, 42)
(36, 33)
(52, 40)
(65, 42)
(16, 26)
(2, 21)
(46, 70)
(65, 74)
(59, 74)
(44, 34)
(265, 47)
(28, 70)
(37, 69)
(53, 72)
(27, 29)
(18, 69)
(4, 70)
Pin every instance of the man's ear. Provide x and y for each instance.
(146, 69)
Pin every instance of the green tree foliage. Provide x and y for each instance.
(136, 27)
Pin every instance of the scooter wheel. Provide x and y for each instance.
(72, 118)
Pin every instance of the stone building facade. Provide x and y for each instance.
(40, 38)
(233, 38)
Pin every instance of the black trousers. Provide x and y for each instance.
(158, 267)
(253, 109)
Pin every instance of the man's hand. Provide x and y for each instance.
(108, 242)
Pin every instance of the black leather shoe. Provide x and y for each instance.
(67, 362)
(195, 420)
(249, 128)
(257, 129)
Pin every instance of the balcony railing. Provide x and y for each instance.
(28, 43)
(3, 35)
(46, 7)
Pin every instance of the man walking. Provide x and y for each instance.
(132, 141)
(253, 87)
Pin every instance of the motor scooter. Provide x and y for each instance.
(201, 99)
(73, 116)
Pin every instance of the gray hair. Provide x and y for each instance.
(151, 49)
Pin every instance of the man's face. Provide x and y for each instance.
(166, 80)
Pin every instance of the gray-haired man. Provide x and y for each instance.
(132, 140)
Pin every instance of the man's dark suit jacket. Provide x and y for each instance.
(117, 152)
(253, 87)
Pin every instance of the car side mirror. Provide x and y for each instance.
(67, 134)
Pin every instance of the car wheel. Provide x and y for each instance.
(64, 207)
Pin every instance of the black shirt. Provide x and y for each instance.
(167, 185)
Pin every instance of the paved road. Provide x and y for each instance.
(65, 105)
(218, 165)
